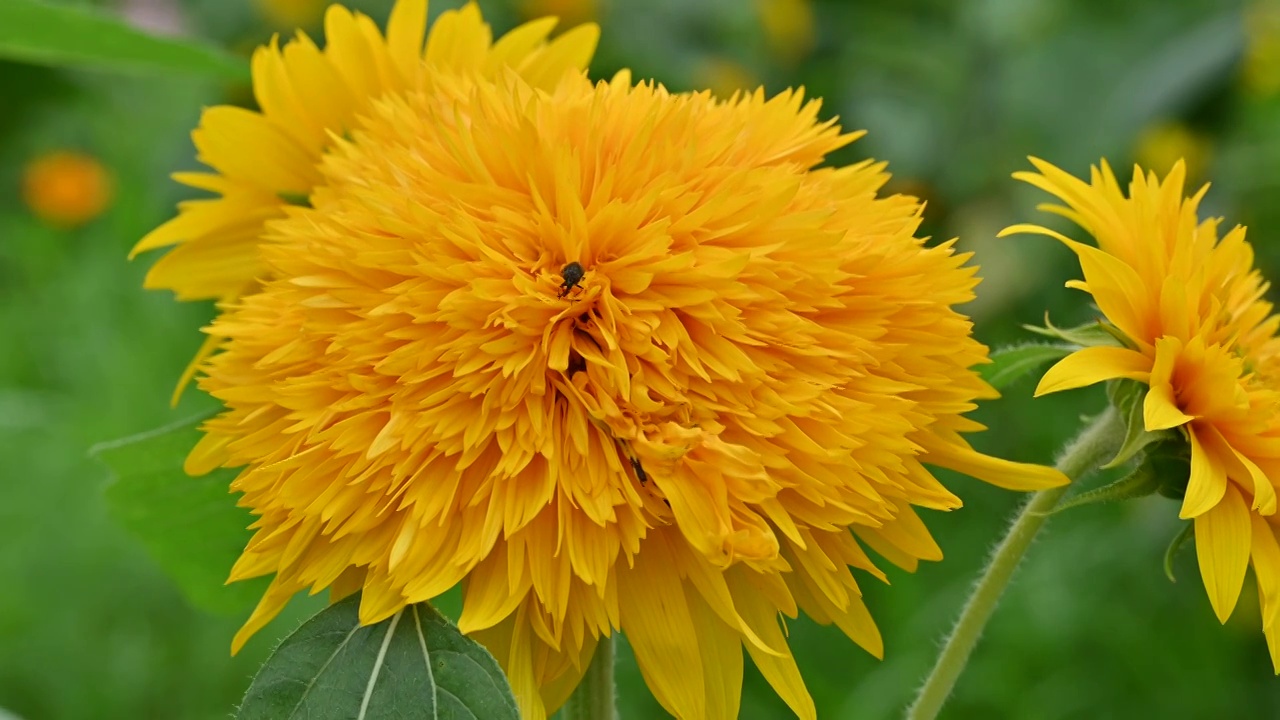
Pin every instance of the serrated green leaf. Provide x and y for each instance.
(1088, 335)
(1128, 396)
(58, 35)
(414, 664)
(1188, 531)
(191, 526)
(1013, 363)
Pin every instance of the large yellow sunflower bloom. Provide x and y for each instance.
(308, 98)
(614, 359)
(1200, 336)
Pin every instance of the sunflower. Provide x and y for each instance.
(265, 160)
(1189, 306)
(611, 358)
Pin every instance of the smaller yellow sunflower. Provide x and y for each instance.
(1198, 333)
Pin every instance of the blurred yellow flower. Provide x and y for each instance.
(724, 77)
(267, 160)
(569, 11)
(292, 13)
(1162, 145)
(614, 359)
(1262, 51)
(1200, 336)
(789, 27)
(66, 189)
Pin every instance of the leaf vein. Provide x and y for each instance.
(377, 666)
(312, 683)
(426, 660)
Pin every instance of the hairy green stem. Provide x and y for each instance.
(1093, 447)
(594, 698)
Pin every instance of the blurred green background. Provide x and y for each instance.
(954, 94)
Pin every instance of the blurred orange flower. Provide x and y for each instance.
(292, 13)
(724, 77)
(1262, 53)
(569, 11)
(789, 27)
(66, 189)
(1161, 145)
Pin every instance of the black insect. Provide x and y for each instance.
(572, 275)
(635, 463)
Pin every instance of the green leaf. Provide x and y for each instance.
(58, 35)
(1012, 363)
(1188, 531)
(1172, 75)
(1139, 483)
(191, 526)
(1087, 335)
(414, 664)
(1128, 397)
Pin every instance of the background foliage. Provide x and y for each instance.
(955, 96)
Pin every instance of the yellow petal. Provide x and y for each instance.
(1116, 287)
(1264, 493)
(511, 49)
(201, 218)
(272, 602)
(556, 692)
(1266, 568)
(213, 267)
(511, 643)
(1094, 365)
(312, 75)
(1010, 475)
(571, 51)
(351, 53)
(1222, 547)
(459, 40)
(852, 617)
(208, 347)
(886, 549)
(280, 103)
(1273, 646)
(1208, 479)
(779, 670)
(244, 145)
(405, 30)
(907, 532)
(653, 609)
(1160, 410)
(209, 454)
(721, 649)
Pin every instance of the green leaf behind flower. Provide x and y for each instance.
(1088, 335)
(415, 664)
(1128, 397)
(43, 34)
(1187, 532)
(1139, 483)
(1011, 364)
(191, 526)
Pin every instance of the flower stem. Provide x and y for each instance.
(1094, 446)
(594, 698)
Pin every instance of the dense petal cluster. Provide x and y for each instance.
(707, 426)
(1199, 333)
(263, 161)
